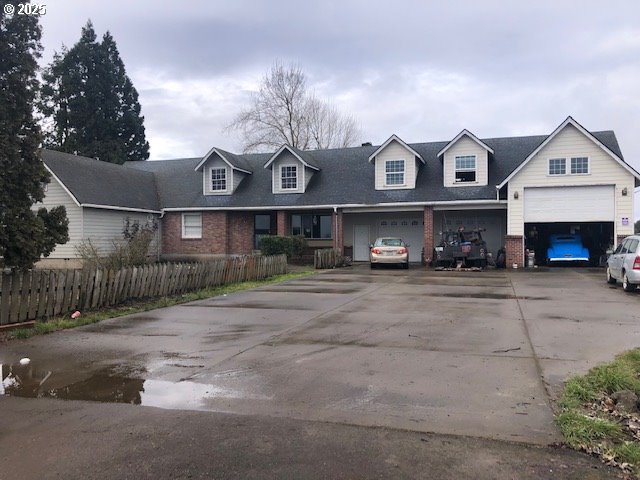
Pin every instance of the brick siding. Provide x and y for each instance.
(428, 234)
(214, 235)
(514, 246)
(240, 240)
(282, 223)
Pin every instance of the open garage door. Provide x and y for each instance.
(585, 210)
(569, 204)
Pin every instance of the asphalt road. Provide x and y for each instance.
(341, 375)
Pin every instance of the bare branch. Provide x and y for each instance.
(282, 111)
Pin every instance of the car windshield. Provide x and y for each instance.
(389, 242)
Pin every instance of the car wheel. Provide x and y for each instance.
(610, 279)
(405, 266)
(372, 265)
(626, 285)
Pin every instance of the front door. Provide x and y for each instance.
(361, 243)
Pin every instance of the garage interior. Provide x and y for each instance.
(597, 237)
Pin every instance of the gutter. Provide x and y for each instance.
(346, 205)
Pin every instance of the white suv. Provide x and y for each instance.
(624, 264)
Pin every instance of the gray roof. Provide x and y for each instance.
(345, 177)
(95, 182)
(237, 161)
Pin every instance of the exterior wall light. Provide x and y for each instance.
(624, 192)
(515, 195)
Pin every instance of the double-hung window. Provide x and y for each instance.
(557, 166)
(465, 168)
(218, 179)
(192, 225)
(579, 165)
(394, 172)
(289, 177)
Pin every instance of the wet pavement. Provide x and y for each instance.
(479, 354)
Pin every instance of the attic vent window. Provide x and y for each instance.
(218, 179)
(289, 177)
(466, 169)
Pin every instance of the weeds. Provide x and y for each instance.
(589, 418)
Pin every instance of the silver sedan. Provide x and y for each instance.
(389, 250)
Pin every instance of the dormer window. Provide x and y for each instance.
(218, 179)
(465, 168)
(394, 172)
(289, 177)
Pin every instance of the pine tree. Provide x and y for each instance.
(90, 104)
(24, 234)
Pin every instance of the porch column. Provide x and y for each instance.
(428, 234)
(282, 223)
(514, 250)
(337, 225)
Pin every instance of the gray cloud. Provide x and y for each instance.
(423, 70)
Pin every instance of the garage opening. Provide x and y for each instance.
(597, 237)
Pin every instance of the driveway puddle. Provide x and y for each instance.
(112, 385)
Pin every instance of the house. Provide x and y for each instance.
(521, 189)
(100, 199)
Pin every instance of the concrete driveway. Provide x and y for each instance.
(476, 354)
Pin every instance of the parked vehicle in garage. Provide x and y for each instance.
(460, 246)
(624, 264)
(566, 248)
(389, 250)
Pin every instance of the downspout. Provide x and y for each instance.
(335, 211)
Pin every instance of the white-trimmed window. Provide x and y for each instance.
(579, 165)
(465, 168)
(218, 179)
(192, 225)
(289, 177)
(394, 172)
(557, 166)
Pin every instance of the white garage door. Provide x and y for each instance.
(410, 230)
(569, 204)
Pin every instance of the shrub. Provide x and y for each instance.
(291, 246)
(131, 251)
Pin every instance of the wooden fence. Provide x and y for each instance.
(328, 258)
(41, 294)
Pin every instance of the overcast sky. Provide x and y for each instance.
(423, 70)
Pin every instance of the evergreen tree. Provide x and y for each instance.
(90, 104)
(24, 234)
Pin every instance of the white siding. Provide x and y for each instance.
(395, 151)
(55, 196)
(287, 158)
(603, 169)
(103, 227)
(466, 146)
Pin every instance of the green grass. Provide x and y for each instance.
(579, 429)
(591, 430)
(62, 323)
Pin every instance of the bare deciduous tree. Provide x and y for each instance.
(283, 111)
